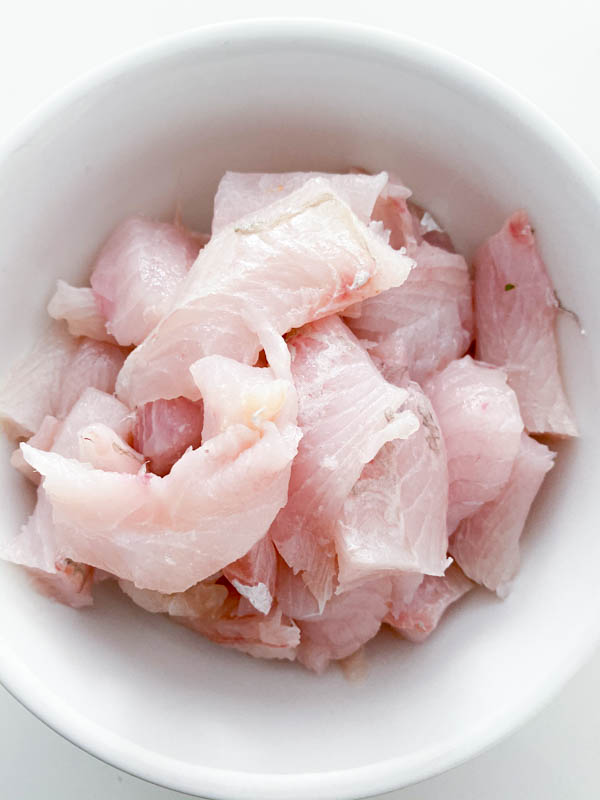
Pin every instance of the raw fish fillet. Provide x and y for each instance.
(516, 312)
(417, 619)
(481, 425)
(416, 329)
(486, 546)
(39, 546)
(137, 274)
(94, 364)
(210, 609)
(242, 193)
(52, 377)
(43, 439)
(34, 548)
(348, 621)
(92, 407)
(254, 575)
(32, 389)
(394, 519)
(294, 598)
(80, 311)
(346, 412)
(169, 533)
(164, 429)
(104, 449)
(301, 258)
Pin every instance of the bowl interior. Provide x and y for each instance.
(158, 133)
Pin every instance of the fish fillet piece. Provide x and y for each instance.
(346, 412)
(164, 429)
(481, 425)
(137, 274)
(394, 519)
(92, 407)
(54, 575)
(348, 621)
(78, 307)
(43, 439)
(241, 193)
(416, 329)
(417, 619)
(211, 610)
(303, 257)
(52, 376)
(294, 598)
(169, 533)
(516, 310)
(32, 389)
(236, 393)
(419, 327)
(486, 545)
(94, 364)
(104, 449)
(254, 575)
(409, 225)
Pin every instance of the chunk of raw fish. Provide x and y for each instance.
(242, 193)
(394, 519)
(94, 364)
(52, 574)
(481, 424)
(164, 429)
(417, 619)
(32, 389)
(304, 257)
(254, 575)
(78, 307)
(516, 310)
(169, 533)
(92, 407)
(294, 598)
(348, 621)
(137, 274)
(416, 329)
(104, 449)
(43, 439)
(346, 412)
(486, 545)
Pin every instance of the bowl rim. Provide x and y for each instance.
(390, 774)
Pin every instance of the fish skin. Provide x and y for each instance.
(516, 310)
(481, 424)
(304, 257)
(486, 545)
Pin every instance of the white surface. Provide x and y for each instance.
(552, 71)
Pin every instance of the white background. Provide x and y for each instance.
(550, 51)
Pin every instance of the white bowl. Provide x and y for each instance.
(159, 127)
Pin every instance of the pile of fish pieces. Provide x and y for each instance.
(287, 434)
